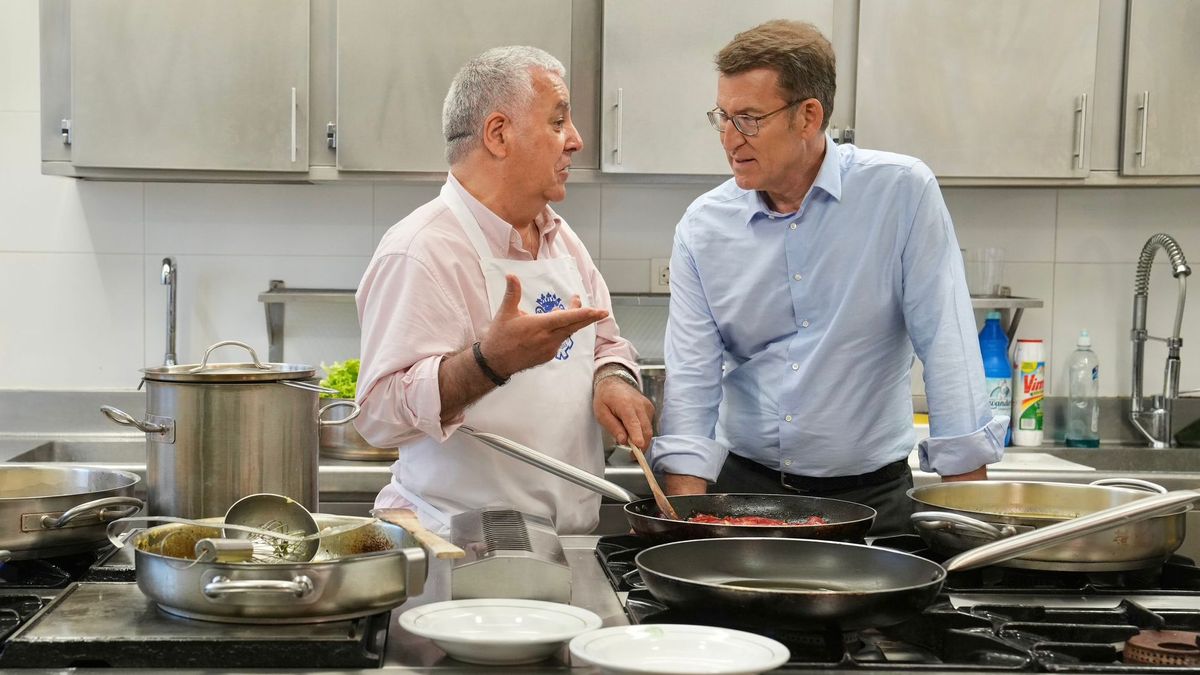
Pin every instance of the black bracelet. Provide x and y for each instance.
(487, 370)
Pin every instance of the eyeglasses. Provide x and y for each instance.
(747, 125)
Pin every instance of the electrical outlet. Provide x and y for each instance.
(660, 275)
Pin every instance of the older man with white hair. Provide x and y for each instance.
(482, 307)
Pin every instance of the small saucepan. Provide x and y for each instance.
(845, 521)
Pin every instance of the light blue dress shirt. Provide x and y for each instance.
(791, 337)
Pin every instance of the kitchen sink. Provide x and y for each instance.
(122, 451)
(1130, 458)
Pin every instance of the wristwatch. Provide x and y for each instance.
(621, 372)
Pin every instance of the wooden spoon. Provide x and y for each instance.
(408, 520)
(660, 498)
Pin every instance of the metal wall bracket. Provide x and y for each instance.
(275, 300)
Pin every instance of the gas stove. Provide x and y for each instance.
(992, 619)
(86, 610)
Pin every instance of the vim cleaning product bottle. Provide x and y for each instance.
(1083, 403)
(993, 345)
(1029, 385)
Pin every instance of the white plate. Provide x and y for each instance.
(498, 631)
(671, 649)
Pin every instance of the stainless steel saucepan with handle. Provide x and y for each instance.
(355, 572)
(961, 516)
(49, 511)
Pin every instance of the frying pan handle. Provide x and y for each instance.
(549, 464)
(932, 521)
(1124, 514)
(1135, 483)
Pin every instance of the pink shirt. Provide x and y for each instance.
(423, 298)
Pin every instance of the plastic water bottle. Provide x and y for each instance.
(1029, 386)
(993, 345)
(1083, 405)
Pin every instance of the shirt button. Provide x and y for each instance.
(787, 418)
(795, 366)
(793, 226)
(804, 323)
(797, 277)
(787, 462)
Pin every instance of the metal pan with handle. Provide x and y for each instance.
(804, 583)
(846, 521)
(960, 516)
(48, 511)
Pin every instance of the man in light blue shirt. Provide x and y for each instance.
(800, 291)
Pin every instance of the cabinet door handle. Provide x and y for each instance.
(1144, 116)
(1081, 113)
(293, 124)
(619, 109)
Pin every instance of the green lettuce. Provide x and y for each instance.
(342, 376)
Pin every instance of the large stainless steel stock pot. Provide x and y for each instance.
(48, 511)
(216, 432)
(956, 517)
(357, 572)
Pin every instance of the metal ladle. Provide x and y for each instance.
(275, 513)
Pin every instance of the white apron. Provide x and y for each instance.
(548, 408)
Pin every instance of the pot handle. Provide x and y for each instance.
(300, 586)
(338, 404)
(1135, 483)
(253, 356)
(126, 506)
(1124, 514)
(121, 417)
(957, 523)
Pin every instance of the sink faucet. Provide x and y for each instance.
(1155, 423)
(168, 278)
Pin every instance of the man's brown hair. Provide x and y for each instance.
(796, 50)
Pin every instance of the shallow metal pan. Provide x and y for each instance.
(48, 511)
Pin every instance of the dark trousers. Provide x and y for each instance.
(889, 498)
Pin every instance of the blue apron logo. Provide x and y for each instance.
(549, 302)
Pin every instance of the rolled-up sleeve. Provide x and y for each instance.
(937, 311)
(409, 324)
(692, 352)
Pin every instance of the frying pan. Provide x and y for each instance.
(848, 521)
(799, 583)
(791, 583)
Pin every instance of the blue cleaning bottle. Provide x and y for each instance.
(993, 345)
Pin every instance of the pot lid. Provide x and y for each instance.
(254, 371)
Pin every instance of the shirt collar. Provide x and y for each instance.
(828, 180)
(499, 233)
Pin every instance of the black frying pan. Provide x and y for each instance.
(847, 520)
(791, 583)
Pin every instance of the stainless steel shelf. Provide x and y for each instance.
(278, 296)
(1011, 308)
(276, 299)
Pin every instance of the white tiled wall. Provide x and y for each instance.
(82, 306)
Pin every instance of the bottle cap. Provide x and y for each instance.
(994, 314)
(1084, 340)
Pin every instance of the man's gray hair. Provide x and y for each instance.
(498, 80)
